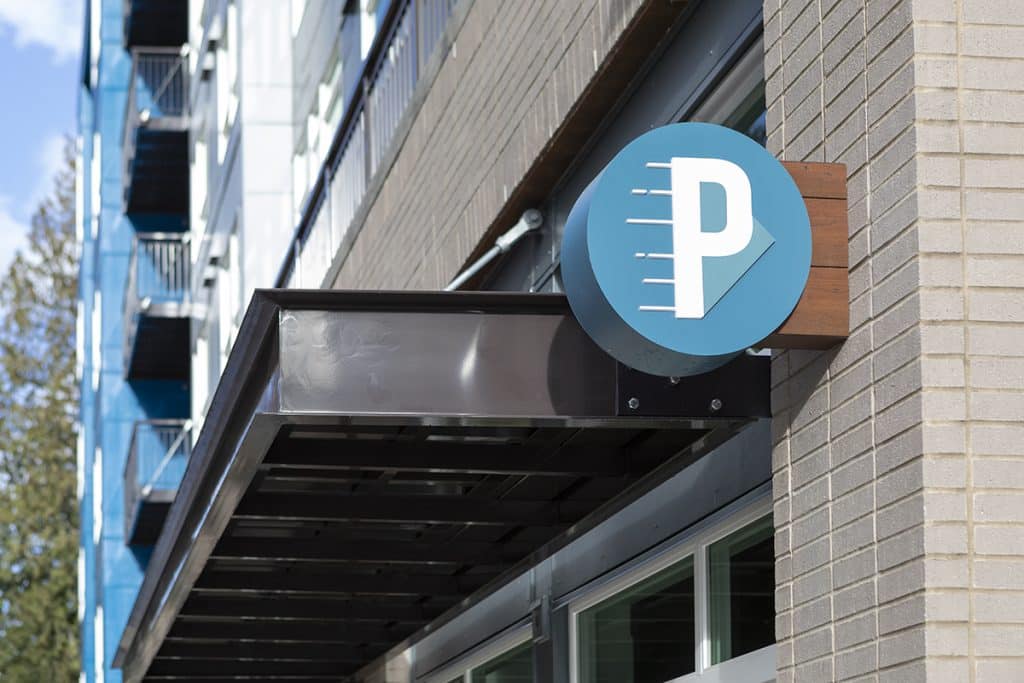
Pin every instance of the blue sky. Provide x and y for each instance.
(39, 60)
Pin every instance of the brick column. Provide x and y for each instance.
(899, 483)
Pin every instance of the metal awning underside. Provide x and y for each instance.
(370, 460)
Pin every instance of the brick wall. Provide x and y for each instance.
(899, 483)
(970, 65)
(497, 99)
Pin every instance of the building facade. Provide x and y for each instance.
(425, 487)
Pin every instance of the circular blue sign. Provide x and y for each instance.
(691, 246)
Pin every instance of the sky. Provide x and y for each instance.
(39, 64)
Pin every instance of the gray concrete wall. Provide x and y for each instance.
(899, 486)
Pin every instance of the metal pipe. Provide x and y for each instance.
(528, 222)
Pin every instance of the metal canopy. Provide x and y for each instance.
(371, 460)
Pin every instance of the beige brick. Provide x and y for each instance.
(1002, 640)
(1002, 439)
(998, 473)
(996, 340)
(1004, 373)
(946, 572)
(941, 339)
(995, 238)
(999, 540)
(993, 41)
(1001, 306)
(1005, 173)
(999, 12)
(992, 138)
(995, 271)
(999, 574)
(1000, 606)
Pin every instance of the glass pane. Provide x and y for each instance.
(741, 580)
(457, 679)
(645, 634)
(514, 666)
(749, 116)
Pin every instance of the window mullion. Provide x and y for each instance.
(702, 658)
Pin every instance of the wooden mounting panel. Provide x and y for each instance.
(821, 318)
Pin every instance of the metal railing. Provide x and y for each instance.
(157, 90)
(159, 269)
(408, 38)
(157, 456)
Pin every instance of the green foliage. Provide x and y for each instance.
(38, 408)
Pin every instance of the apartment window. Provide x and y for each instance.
(707, 603)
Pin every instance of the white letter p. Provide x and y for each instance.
(689, 243)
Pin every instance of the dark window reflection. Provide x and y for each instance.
(515, 666)
(644, 634)
(741, 579)
(749, 117)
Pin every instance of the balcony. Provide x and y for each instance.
(157, 306)
(155, 22)
(157, 456)
(155, 151)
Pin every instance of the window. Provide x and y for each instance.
(514, 666)
(707, 603)
(507, 659)
(738, 101)
(741, 581)
(645, 634)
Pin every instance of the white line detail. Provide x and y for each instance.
(659, 193)
(649, 221)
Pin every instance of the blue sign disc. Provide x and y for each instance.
(691, 246)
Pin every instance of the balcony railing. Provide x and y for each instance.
(408, 39)
(156, 305)
(155, 125)
(157, 456)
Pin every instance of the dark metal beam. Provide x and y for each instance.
(371, 552)
(447, 457)
(316, 609)
(289, 632)
(424, 509)
(249, 650)
(193, 669)
(235, 582)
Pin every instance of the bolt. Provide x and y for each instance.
(673, 380)
(633, 403)
(716, 405)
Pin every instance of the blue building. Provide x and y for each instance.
(133, 304)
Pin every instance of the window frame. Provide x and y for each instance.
(490, 649)
(695, 546)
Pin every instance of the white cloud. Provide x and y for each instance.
(13, 227)
(13, 234)
(54, 24)
(49, 160)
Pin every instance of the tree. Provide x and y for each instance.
(38, 409)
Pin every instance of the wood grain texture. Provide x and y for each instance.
(818, 180)
(828, 232)
(821, 318)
